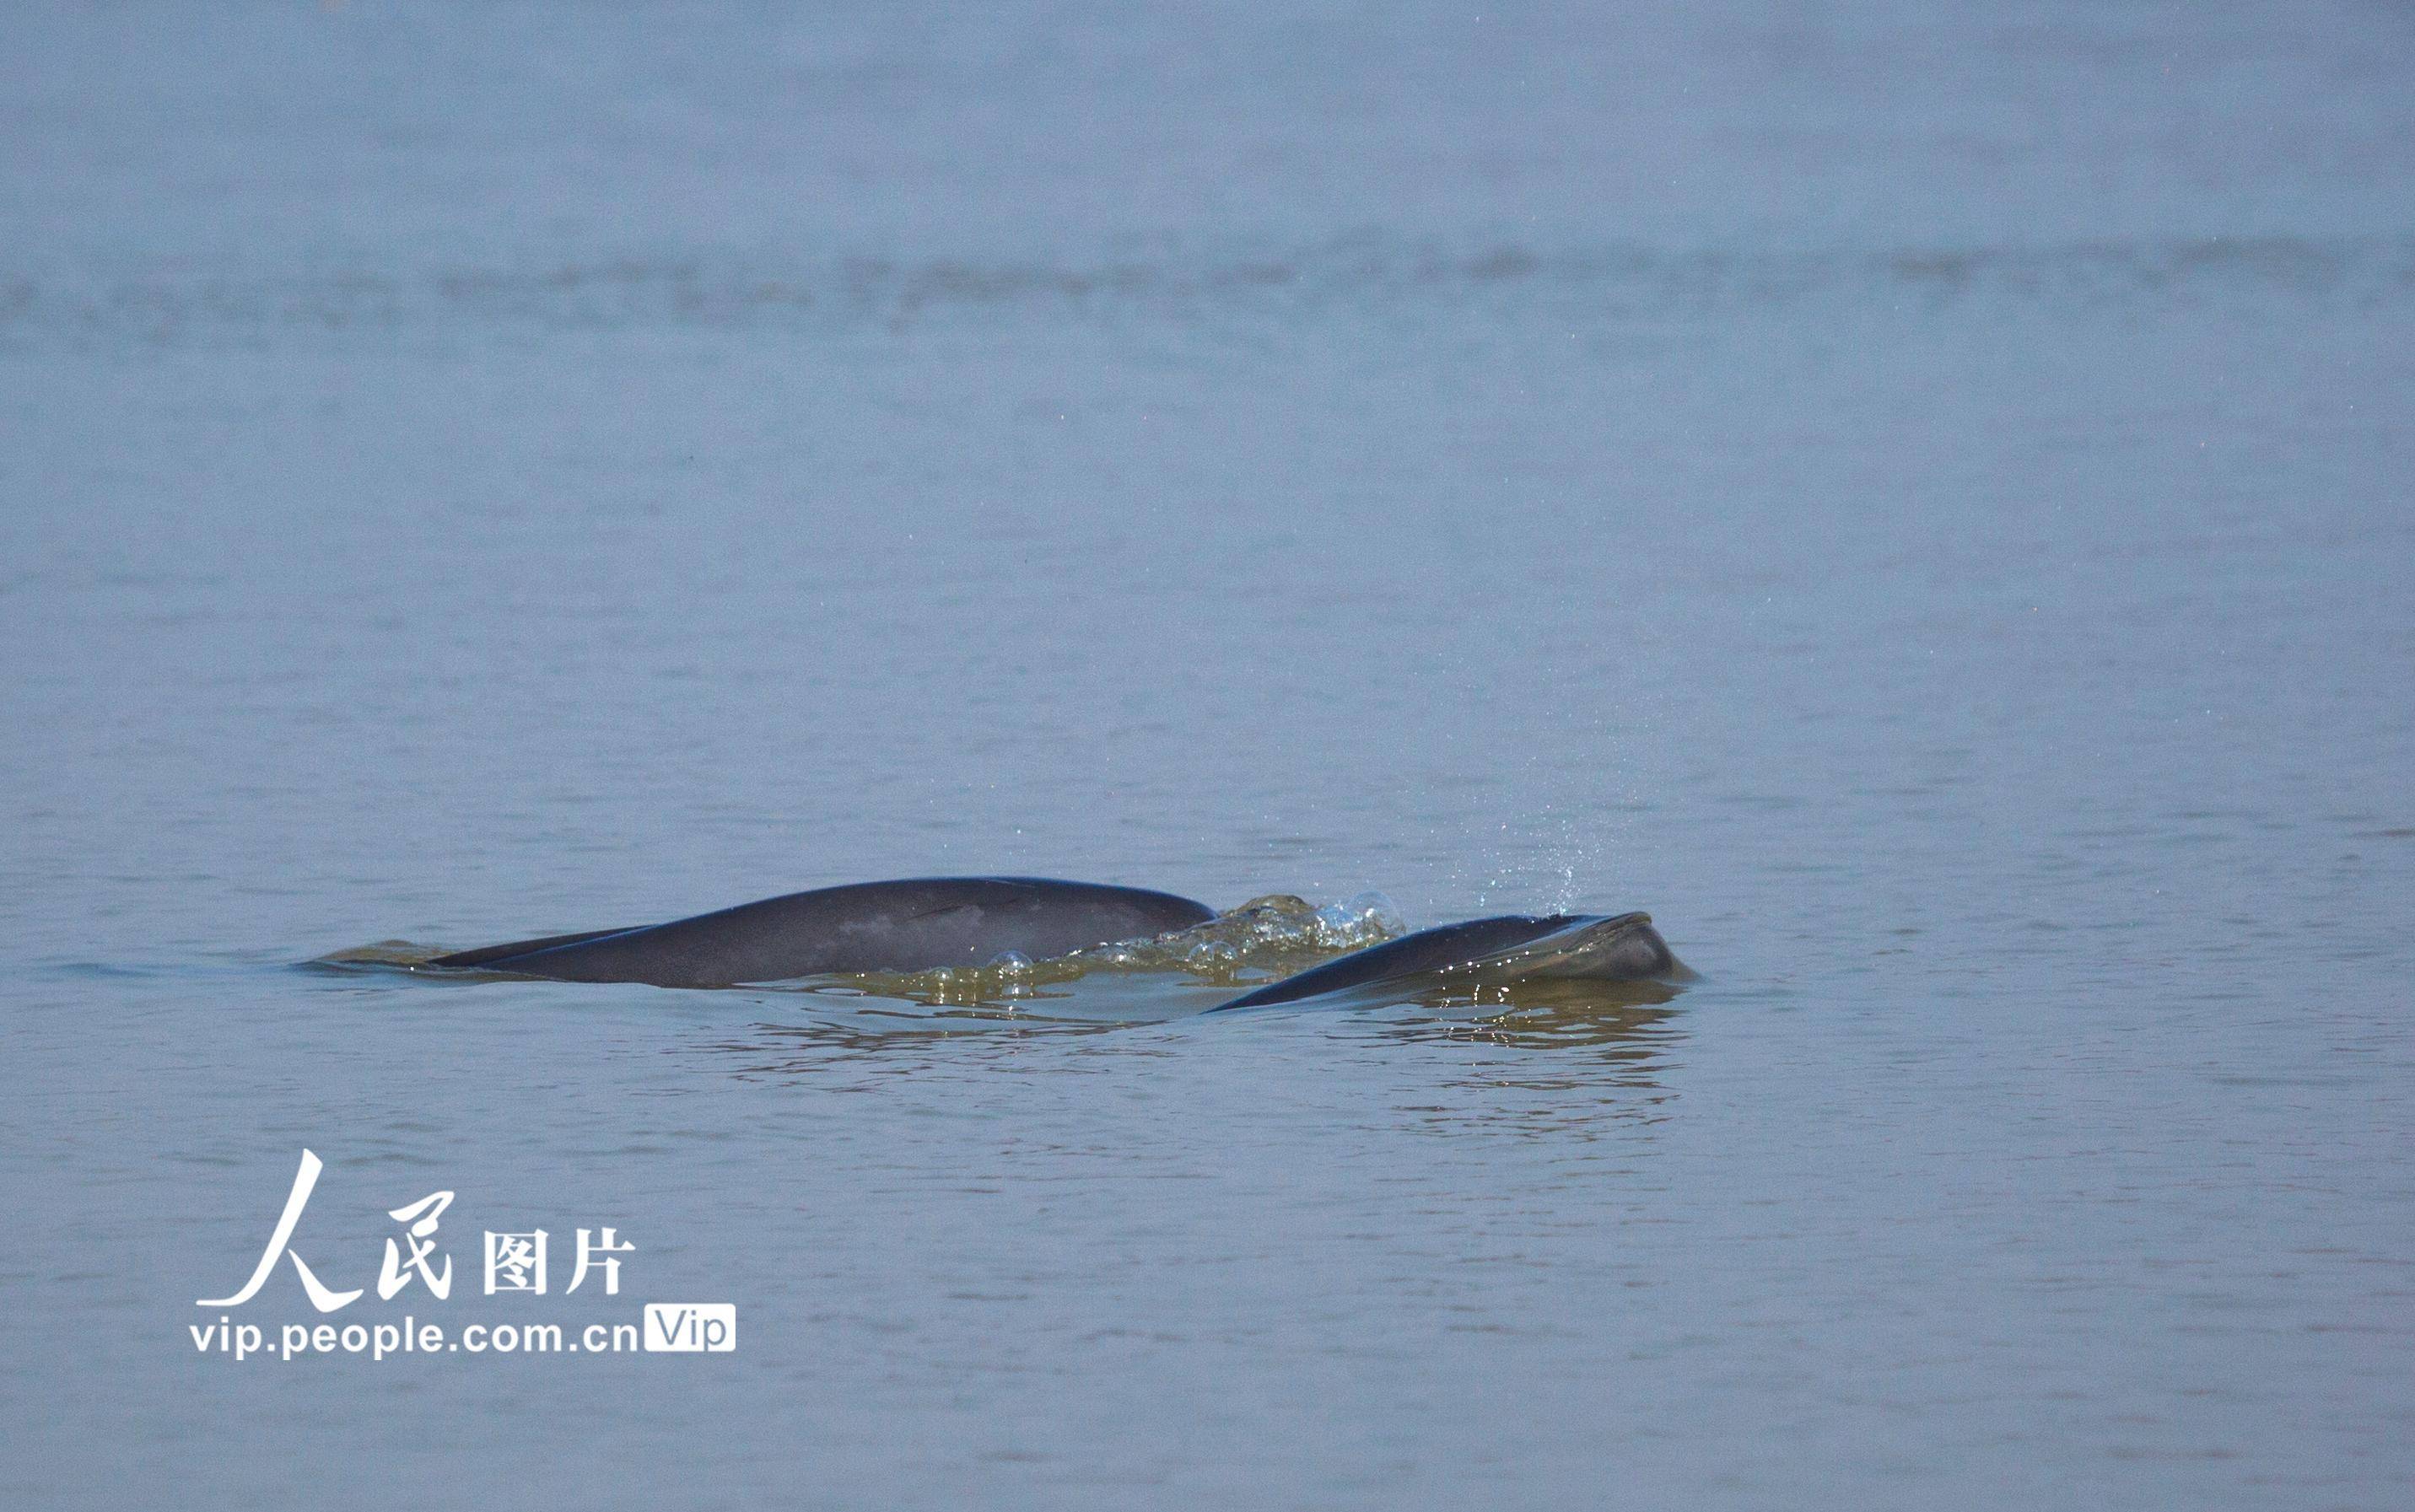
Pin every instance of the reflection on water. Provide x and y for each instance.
(1564, 1061)
(774, 287)
(1624, 1019)
(1561, 1036)
(888, 1044)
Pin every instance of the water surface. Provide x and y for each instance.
(1918, 503)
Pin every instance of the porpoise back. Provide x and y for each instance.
(1485, 951)
(912, 925)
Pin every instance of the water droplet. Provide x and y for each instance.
(1379, 914)
(1212, 955)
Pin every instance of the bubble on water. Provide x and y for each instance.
(1378, 914)
(1014, 972)
(1211, 957)
(1358, 922)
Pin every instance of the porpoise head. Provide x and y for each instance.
(1623, 948)
(1488, 952)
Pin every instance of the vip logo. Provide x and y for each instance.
(691, 1327)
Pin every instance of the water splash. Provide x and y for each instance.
(1262, 940)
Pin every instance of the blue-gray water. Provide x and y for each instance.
(1918, 499)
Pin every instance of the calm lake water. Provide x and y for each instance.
(1919, 501)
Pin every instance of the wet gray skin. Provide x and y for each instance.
(1488, 951)
(912, 925)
